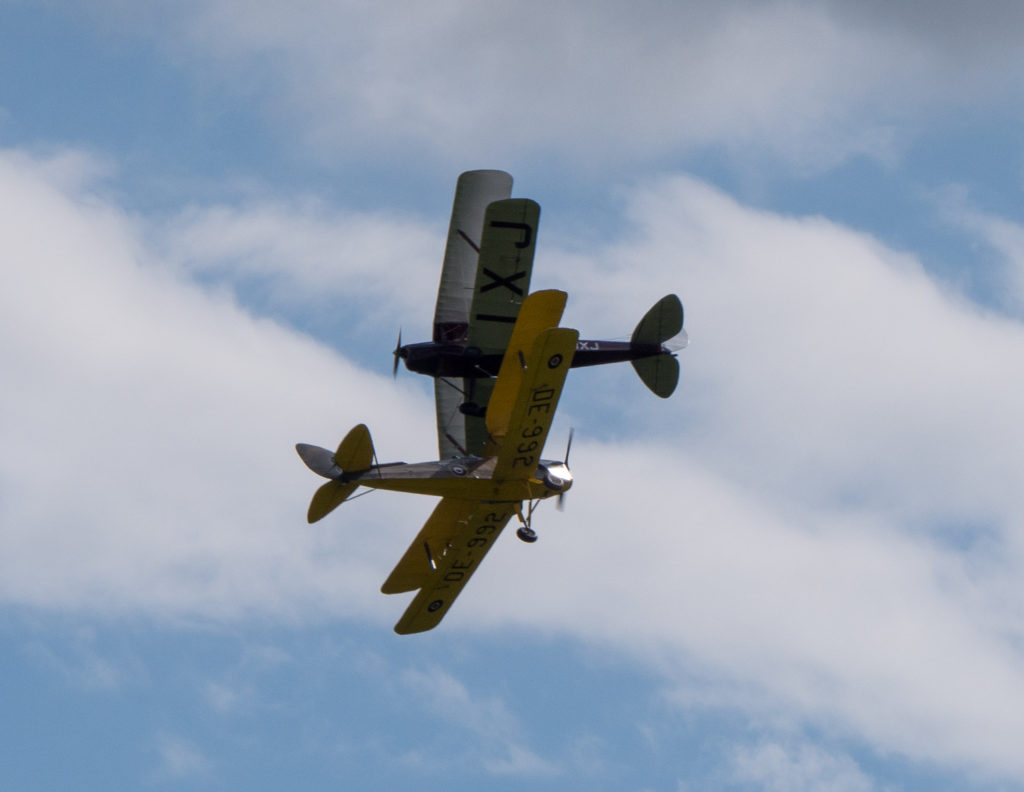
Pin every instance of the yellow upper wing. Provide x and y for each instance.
(540, 387)
(540, 311)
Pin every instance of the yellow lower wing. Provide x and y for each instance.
(429, 547)
(475, 535)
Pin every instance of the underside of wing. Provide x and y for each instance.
(451, 425)
(474, 191)
(429, 547)
(504, 266)
(474, 537)
(461, 433)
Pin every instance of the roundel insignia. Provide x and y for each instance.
(458, 470)
(433, 606)
(554, 361)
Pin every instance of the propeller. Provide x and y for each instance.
(398, 354)
(560, 503)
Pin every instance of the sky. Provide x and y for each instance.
(800, 572)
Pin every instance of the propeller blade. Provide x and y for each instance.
(397, 353)
(560, 503)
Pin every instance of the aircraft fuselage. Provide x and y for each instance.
(469, 478)
(454, 360)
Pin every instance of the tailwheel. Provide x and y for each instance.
(527, 534)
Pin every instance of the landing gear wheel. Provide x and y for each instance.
(472, 408)
(527, 534)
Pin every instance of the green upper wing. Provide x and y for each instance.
(503, 272)
(502, 279)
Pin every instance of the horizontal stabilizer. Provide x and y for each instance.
(660, 373)
(354, 455)
(328, 498)
(661, 323)
(319, 460)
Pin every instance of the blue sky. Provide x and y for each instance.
(801, 572)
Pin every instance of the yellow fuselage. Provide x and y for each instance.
(466, 479)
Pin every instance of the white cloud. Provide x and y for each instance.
(812, 83)
(772, 768)
(312, 260)
(149, 427)
(1002, 236)
(826, 523)
(822, 526)
(821, 357)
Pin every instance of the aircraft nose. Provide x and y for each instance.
(557, 478)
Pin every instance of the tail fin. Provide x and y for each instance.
(354, 454)
(659, 372)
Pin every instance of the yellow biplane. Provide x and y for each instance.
(479, 493)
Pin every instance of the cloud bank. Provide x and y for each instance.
(810, 83)
(822, 527)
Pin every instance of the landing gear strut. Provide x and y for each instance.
(525, 532)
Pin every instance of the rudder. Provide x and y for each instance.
(355, 452)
